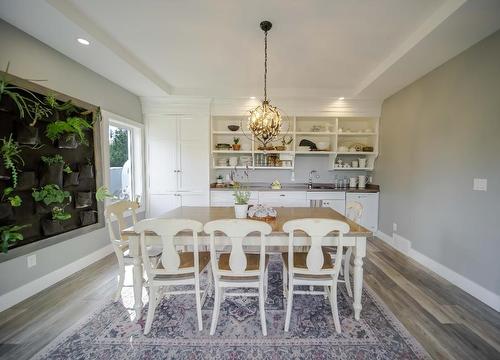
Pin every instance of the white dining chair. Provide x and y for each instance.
(315, 267)
(238, 269)
(118, 211)
(173, 268)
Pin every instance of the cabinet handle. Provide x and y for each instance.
(282, 194)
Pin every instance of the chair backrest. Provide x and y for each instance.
(118, 210)
(237, 230)
(170, 259)
(354, 211)
(317, 230)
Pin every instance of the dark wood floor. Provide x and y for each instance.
(449, 323)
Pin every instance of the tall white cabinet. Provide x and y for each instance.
(177, 145)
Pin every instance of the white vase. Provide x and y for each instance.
(240, 211)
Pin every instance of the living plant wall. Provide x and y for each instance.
(48, 151)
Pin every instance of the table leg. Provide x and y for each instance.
(137, 275)
(359, 253)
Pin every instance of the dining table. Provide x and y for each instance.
(355, 238)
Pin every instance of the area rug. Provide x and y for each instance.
(109, 333)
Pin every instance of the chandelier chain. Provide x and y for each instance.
(265, 66)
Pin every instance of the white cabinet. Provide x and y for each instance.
(334, 199)
(283, 198)
(178, 161)
(226, 198)
(369, 202)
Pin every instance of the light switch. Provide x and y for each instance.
(480, 185)
(31, 260)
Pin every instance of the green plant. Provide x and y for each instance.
(51, 101)
(102, 193)
(14, 200)
(58, 213)
(72, 125)
(50, 194)
(241, 196)
(53, 160)
(11, 157)
(67, 169)
(37, 111)
(118, 147)
(236, 140)
(12, 92)
(10, 234)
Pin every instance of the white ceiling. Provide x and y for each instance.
(317, 48)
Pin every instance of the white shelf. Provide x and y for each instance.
(314, 152)
(273, 167)
(228, 132)
(273, 151)
(231, 151)
(356, 153)
(322, 133)
(351, 169)
(357, 134)
(232, 167)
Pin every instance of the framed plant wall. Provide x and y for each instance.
(50, 167)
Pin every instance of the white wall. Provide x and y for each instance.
(30, 59)
(436, 136)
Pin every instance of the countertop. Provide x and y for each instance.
(317, 187)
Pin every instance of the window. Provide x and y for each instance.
(123, 157)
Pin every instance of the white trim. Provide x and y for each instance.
(25, 291)
(479, 292)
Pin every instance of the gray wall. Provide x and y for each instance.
(29, 58)
(436, 135)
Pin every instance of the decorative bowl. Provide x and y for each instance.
(322, 145)
(233, 127)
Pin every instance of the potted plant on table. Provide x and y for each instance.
(236, 145)
(241, 198)
(70, 133)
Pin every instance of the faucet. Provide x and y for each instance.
(310, 183)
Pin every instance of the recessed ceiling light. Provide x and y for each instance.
(341, 98)
(252, 97)
(83, 41)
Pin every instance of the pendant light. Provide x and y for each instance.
(265, 120)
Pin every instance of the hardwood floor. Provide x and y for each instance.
(448, 322)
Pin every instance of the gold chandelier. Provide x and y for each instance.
(265, 120)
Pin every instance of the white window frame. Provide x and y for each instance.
(137, 151)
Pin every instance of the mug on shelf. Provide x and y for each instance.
(354, 163)
(362, 181)
(362, 163)
(353, 182)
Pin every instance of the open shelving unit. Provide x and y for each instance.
(343, 139)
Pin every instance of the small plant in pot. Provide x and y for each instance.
(52, 170)
(236, 143)
(10, 234)
(87, 170)
(49, 196)
(9, 201)
(70, 133)
(54, 225)
(241, 198)
(70, 176)
(11, 159)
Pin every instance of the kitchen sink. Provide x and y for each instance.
(323, 187)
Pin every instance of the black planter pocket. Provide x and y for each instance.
(27, 135)
(88, 217)
(51, 227)
(4, 173)
(27, 180)
(86, 172)
(43, 209)
(6, 212)
(67, 141)
(71, 179)
(52, 174)
(83, 200)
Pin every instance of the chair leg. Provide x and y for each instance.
(198, 303)
(262, 309)
(347, 265)
(266, 283)
(215, 314)
(151, 308)
(325, 288)
(289, 304)
(285, 280)
(209, 288)
(333, 305)
(121, 280)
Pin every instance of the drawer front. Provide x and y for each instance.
(324, 195)
(226, 198)
(283, 198)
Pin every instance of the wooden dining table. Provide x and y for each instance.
(278, 238)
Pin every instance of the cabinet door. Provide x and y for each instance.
(160, 204)
(283, 198)
(369, 218)
(337, 205)
(194, 198)
(162, 154)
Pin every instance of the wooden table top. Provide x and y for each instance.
(205, 214)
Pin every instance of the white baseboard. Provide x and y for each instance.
(17, 295)
(479, 292)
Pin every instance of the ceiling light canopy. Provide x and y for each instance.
(265, 120)
(83, 41)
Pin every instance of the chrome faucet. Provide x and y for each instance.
(310, 183)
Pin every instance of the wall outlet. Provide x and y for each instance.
(31, 260)
(480, 185)
(394, 227)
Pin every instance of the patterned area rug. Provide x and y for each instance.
(110, 333)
